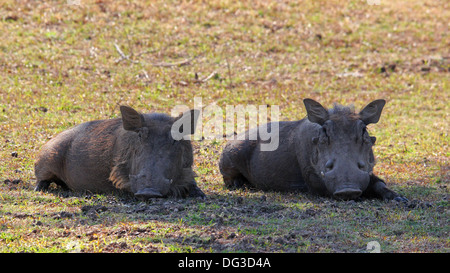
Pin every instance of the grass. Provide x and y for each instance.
(59, 67)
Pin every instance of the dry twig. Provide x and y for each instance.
(181, 63)
(210, 76)
(123, 56)
(162, 64)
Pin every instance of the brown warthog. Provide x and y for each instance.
(136, 153)
(329, 153)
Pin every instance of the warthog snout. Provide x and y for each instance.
(154, 188)
(148, 193)
(347, 193)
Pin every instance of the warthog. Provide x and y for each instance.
(135, 153)
(328, 153)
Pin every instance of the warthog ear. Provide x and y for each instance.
(132, 120)
(185, 124)
(372, 112)
(316, 112)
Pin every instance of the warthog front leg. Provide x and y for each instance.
(377, 188)
(195, 191)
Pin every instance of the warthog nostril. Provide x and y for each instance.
(347, 193)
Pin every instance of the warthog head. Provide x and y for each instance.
(157, 164)
(342, 154)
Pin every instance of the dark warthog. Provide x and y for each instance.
(135, 153)
(328, 153)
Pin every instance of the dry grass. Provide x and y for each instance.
(59, 67)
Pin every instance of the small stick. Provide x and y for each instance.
(210, 76)
(145, 74)
(181, 63)
(145, 52)
(122, 55)
(120, 51)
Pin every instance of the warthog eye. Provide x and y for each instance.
(330, 164)
(323, 137)
(365, 136)
(361, 165)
